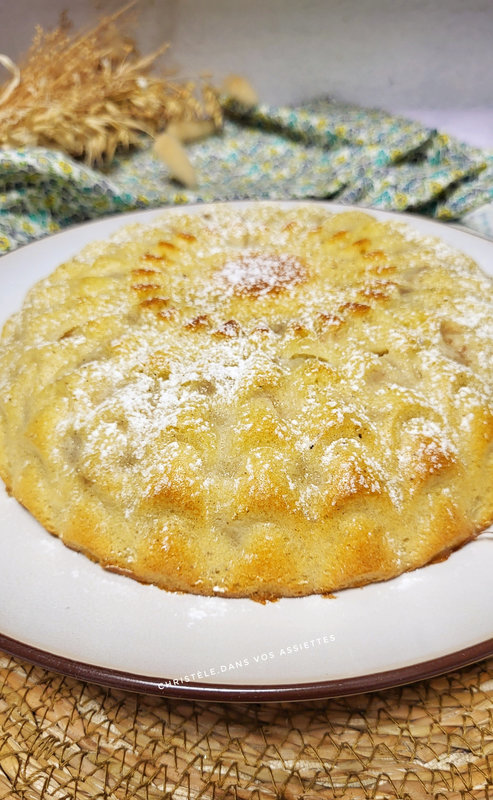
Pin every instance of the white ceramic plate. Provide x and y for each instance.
(62, 611)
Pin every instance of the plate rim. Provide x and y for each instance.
(251, 693)
(311, 690)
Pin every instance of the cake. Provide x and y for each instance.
(257, 401)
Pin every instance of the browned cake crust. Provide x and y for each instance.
(256, 402)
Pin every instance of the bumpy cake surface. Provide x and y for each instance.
(255, 401)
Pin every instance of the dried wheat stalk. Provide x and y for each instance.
(90, 93)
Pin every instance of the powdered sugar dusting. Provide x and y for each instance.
(167, 382)
(259, 274)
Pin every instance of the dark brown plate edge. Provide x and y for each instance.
(246, 693)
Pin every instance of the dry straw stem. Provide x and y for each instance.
(238, 88)
(90, 93)
(170, 150)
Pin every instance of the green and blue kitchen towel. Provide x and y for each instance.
(319, 150)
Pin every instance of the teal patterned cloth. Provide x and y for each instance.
(321, 149)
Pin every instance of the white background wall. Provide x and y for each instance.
(419, 56)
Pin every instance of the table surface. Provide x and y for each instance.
(63, 739)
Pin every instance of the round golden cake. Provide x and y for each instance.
(258, 401)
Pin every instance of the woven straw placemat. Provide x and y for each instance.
(61, 739)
